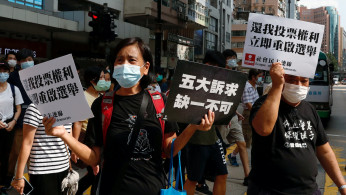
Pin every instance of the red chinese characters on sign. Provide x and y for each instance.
(250, 59)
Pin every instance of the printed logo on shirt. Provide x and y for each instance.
(298, 133)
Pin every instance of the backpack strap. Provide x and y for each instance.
(159, 105)
(14, 98)
(107, 110)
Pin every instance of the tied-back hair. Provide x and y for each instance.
(146, 54)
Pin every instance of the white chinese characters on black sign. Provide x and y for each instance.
(198, 88)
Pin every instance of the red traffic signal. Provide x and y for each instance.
(93, 14)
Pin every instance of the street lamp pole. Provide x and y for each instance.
(158, 38)
(289, 8)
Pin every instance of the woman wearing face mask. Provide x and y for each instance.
(25, 59)
(125, 171)
(10, 101)
(97, 82)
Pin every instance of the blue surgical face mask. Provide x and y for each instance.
(127, 75)
(159, 78)
(27, 64)
(259, 79)
(102, 85)
(4, 76)
(232, 63)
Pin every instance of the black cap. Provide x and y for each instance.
(5, 65)
(24, 53)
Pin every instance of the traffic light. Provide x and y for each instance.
(103, 26)
(95, 23)
(108, 27)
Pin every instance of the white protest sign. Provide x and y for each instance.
(296, 44)
(54, 87)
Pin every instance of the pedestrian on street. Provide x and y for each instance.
(10, 109)
(132, 163)
(97, 81)
(235, 129)
(250, 95)
(47, 155)
(288, 135)
(25, 59)
(205, 148)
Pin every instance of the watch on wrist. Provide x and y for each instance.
(342, 187)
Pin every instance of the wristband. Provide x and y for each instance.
(342, 187)
(17, 179)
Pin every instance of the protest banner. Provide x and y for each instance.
(197, 88)
(54, 87)
(296, 44)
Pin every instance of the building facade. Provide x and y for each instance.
(216, 34)
(292, 9)
(242, 9)
(329, 17)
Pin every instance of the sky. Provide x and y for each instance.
(339, 4)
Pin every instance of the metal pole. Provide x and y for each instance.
(289, 8)
(158, 38)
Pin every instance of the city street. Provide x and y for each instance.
(337, 135)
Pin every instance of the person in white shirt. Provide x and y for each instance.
(10, 101)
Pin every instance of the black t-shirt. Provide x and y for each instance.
(144, 174)
(285, 161)
(14, 79)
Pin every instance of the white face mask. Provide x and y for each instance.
(12, 63)
(294, 93)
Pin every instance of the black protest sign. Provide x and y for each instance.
(197, 88)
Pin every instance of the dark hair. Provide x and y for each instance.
(92, 73)
(10, 53)
(229, 53)
(215, 57)
(146, 54)
(24, 53)
(253, 72)
(5, 66)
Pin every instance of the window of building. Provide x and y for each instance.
(238, 45)
(213, 24)
(228, 37)
(239, 33)
(211, 41)
(228, 17)
(213, 3)
(30, 3)
(263, 9)
(228, 2)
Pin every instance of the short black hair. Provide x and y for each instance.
(5, 66)
(10, 53)
(146, 54)
(92, 73)
(229, 53)
(215, 57)
(24, 53)
(253, 72)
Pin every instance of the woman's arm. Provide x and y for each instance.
(15, 118)
(28, 138)
(90, 156)
(184, 137)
